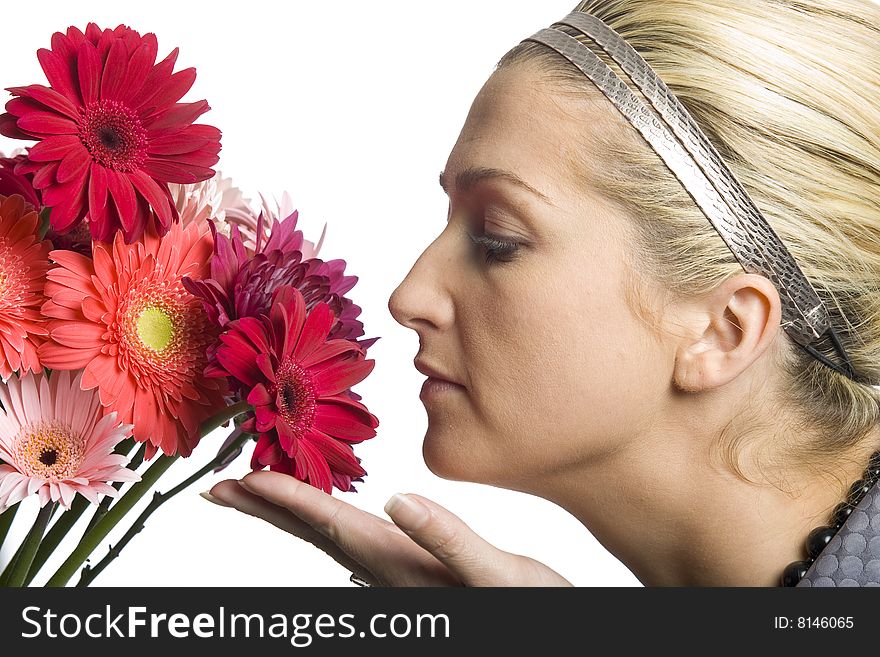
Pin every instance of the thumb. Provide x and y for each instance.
(448, 538)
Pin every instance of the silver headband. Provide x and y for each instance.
(689, 154)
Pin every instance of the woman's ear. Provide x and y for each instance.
(726, 331)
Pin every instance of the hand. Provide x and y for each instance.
(426, 545)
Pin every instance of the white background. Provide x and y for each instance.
(353, 108)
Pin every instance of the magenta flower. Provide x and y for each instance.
(242, 285)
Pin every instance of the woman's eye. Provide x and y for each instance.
(495, 248)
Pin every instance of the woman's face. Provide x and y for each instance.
(554, 367)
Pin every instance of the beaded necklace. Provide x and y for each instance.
(821, 536)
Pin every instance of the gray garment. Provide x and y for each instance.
(852, 557)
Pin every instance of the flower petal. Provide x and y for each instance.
(60, 75)
(175, 118)
(89, 72)
(123, 196)
(115, 68)
(47, 123)
(152, 192)
(341, 375)
(53, 148)
(315, 330)
(343, 422)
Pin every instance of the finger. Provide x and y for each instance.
(379, 545)
(324, 513)
(446, 536)
(232, 493)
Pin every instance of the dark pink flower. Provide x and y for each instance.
(296, 378)
(14, 183)
(242, 284)
(111, 133)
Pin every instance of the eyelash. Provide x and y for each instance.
(496, 249)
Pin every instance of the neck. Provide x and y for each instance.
(684, 519)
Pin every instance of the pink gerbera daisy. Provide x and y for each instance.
(56, 443)
(24, 261)
(111, 132)
(141, 337)
(296, 379)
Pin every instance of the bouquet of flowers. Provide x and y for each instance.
(144, 303)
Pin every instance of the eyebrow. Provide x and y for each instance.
(469, 178)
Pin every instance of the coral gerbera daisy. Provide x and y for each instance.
(111, 132)
(56, 443)
(296, 379)
(125, 317)
(24, 261)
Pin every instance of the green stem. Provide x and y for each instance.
(105, 525)
(92, 539)
(4, 576)
(6, 521)
(56, 534)
(102, 509)
(90, 573)
(29, 547)
(223, 417)
(80, 504)
(7, 572)
(45, 223)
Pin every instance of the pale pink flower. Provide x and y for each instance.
(281, 210)
(56, 442)
(218, 199)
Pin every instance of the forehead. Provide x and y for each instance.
(520, 122)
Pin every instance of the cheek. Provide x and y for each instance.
(558, 364)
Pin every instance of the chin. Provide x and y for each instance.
(449, 456)
(442, 458)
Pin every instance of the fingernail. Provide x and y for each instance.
(406, 511)
(207, 495)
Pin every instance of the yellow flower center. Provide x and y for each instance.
(155, 328)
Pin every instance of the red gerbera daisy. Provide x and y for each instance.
(13, 183)
(24, 261)
(296, 379)
(111, 132)
(141, 337)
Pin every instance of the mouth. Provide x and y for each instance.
(436, 390)
(435, 375)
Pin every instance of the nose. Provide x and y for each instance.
(423, 300)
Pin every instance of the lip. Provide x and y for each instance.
(435, 390)
(433, 374)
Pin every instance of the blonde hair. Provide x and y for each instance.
(788, 91)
